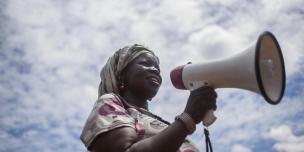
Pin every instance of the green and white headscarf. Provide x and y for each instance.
(110, 73)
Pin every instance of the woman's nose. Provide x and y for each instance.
(154, 69)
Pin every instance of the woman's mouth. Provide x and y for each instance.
(154, 80)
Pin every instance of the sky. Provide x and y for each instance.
(51, 53)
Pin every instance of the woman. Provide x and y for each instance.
(120, 120)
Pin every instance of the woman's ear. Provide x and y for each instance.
(121, 82)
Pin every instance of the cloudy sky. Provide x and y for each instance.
(51, 52)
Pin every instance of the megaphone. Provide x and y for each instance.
(259, 69)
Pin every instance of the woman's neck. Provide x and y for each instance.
(135, 100)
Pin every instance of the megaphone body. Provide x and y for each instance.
(259, 69)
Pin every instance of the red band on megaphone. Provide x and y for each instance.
(176, 76)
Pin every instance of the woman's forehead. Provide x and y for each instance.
(148, 56)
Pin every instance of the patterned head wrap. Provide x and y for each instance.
(110, 73)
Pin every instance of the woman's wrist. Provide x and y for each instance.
(187, 121)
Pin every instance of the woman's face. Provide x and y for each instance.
(142, 76)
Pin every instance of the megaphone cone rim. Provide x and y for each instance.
(257, 68)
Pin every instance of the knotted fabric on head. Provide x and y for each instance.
(110, 73)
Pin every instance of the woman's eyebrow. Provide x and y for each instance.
(153, 60)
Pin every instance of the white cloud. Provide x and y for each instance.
(240, 148)
(61, 46)
(285, 139)
(214, 42)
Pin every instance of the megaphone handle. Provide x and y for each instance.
(209, 118)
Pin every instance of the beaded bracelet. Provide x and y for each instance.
(186, 119)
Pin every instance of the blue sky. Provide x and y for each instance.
(51, 53)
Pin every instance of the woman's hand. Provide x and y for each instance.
(199, 102)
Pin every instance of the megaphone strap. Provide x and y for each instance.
(207, 139)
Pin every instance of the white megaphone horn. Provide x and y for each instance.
(260, 69)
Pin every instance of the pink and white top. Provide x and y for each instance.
(109, 112)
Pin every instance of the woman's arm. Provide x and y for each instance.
(125, 140)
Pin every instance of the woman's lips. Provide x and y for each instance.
(154, 79)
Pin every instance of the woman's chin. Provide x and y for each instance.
(152, 94)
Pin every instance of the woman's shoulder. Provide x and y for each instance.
(110, 98)
(107, 96)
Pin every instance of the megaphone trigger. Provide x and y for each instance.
(209, 118)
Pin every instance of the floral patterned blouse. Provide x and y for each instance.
(110, 112)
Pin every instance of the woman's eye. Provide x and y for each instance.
(149, 64)
(144, 63)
